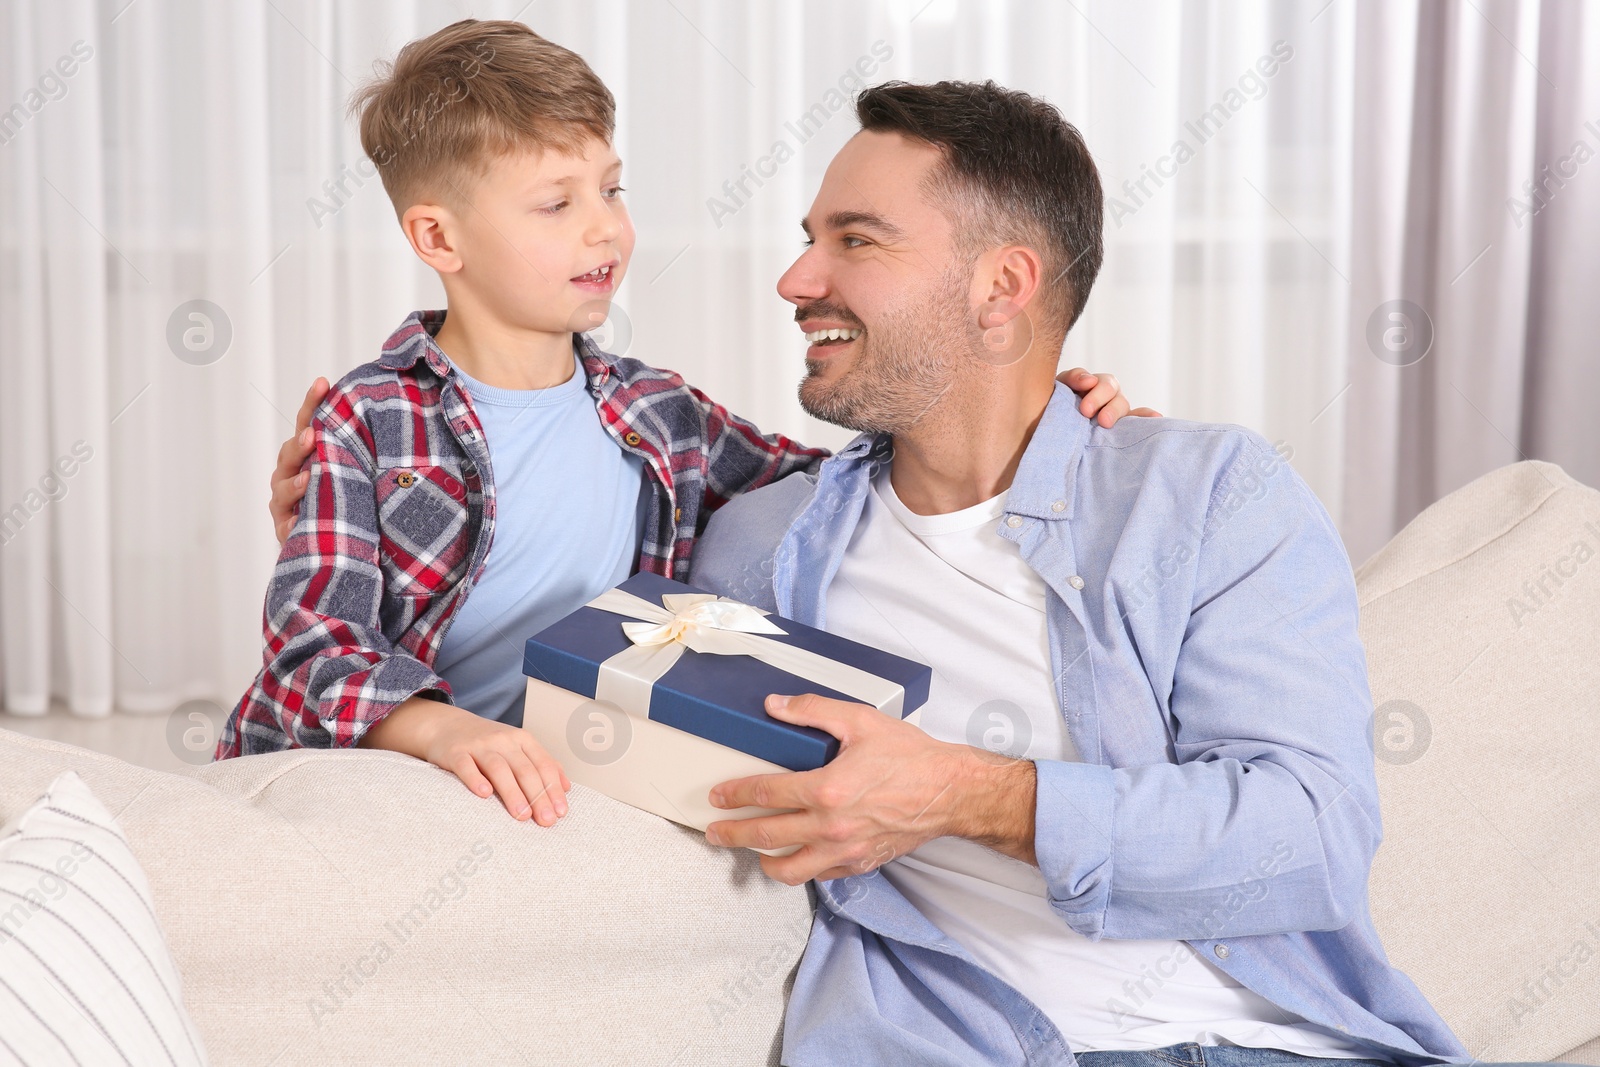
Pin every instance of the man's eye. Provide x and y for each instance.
(808, 242)
(846, 242)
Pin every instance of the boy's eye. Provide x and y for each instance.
(614, 192)
(551, 209)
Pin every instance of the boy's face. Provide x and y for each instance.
(541, 240)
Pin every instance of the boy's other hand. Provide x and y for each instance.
(288, 480)
(488, 756)
(1100, 396)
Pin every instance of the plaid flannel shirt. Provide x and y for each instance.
(398, 519)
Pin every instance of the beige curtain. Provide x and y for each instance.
(1477, 204)
(189, 234)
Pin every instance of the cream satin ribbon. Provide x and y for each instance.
(722, 627)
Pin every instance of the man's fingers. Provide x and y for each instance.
(837, 717)
(787, 789)
(284, 505)
(292, 454)
(314, 395)
(767, 831)
(287, 492)
(811, 861)
(498, 771)
(797, 867)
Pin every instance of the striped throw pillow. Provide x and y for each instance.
(85, 975)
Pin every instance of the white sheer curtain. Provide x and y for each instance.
(200, 152)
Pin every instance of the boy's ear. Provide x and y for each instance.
(429, 227)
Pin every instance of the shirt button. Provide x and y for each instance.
(1014, 521)
(631, 438)
(404, 479)
(1075, 582)
(1059, 505)
(677, 514)
(1222, 951)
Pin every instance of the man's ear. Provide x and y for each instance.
(431, 229)
(1006, 284)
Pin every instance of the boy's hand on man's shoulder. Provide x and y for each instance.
(488, 756)
(1100, 396)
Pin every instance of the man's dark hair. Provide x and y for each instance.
(1014, 170)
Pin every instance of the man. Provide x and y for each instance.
(1166, 858)
(1136, 818)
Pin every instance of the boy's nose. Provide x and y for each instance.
(606, 226)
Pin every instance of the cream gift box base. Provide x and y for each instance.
(659, 768)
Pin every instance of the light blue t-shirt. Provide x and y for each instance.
(569, 523)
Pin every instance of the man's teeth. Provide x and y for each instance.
(596, 274)
(818, 336)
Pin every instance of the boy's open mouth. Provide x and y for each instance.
(598, 280)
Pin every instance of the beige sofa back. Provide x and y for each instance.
(1482, 626)
(363, 907)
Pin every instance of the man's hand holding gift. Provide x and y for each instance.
(890, 789)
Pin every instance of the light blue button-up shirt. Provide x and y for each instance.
(1202, 620)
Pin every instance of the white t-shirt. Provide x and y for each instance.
(949, 591)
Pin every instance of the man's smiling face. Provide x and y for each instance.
(881, 290)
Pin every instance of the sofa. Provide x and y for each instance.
(616, 937)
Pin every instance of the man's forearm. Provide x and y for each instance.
(994, 803)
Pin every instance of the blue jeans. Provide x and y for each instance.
(1190, 1054)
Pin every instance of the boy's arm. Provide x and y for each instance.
(329, 671)
(755, 460)
(740, 458)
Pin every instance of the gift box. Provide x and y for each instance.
(654, 692)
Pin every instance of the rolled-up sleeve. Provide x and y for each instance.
(1268, 820)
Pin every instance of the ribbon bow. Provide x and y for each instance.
(710, 624)
(692, 614)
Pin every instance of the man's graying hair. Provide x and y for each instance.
(1014, 170)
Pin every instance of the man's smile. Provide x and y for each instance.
(824, 334)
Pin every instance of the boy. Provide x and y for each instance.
(493, 470)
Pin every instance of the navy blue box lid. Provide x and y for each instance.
(720, 698)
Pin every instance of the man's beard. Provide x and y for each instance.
(905, 365)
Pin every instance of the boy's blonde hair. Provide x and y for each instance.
(453, 101)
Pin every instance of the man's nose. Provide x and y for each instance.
(805, 280)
